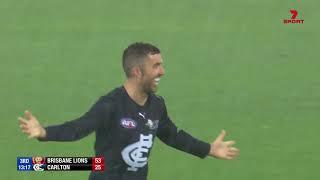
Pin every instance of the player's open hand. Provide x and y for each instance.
(31, 126)
(223, 149)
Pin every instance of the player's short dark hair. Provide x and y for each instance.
(135, 54)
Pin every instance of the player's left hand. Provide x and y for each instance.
(223, 149)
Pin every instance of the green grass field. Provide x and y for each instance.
(229, 64)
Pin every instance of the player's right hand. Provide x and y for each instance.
(31, 126)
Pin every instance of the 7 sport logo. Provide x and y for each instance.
(293, 20)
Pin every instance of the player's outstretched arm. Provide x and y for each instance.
(223, 149)
(31, 126)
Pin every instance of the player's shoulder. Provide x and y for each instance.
(158, 99)
(112, 95)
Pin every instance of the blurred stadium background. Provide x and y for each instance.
(229, 64)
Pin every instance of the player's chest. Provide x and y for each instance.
(133, 122)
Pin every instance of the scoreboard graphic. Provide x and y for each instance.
(39, 163)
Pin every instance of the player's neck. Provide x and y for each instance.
(135, 92)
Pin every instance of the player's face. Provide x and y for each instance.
(151, 73)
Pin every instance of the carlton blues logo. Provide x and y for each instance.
(136, 155)
(38, 163)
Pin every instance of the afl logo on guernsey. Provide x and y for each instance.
(128, 123)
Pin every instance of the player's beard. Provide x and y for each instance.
(149, 85)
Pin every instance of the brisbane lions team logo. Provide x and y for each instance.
(38, 163)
